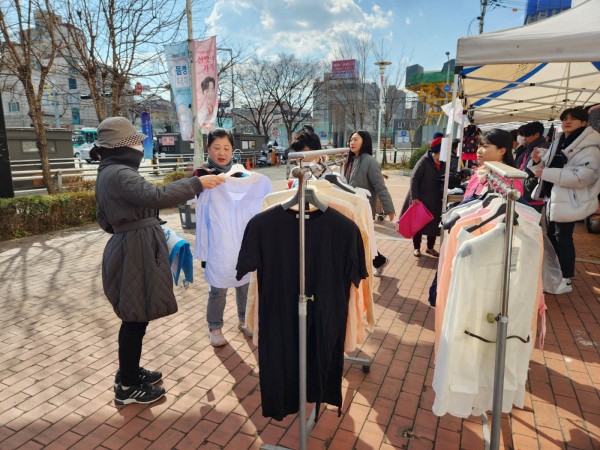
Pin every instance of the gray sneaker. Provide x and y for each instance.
(245, 331)
(216, 338)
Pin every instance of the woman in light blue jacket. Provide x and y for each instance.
(363, 171)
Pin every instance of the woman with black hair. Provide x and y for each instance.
(426, 186)
(221, 217)
(363, 171)
(569, 183)
(494, 145)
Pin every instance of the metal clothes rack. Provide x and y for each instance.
(300, 172)
(498, 170)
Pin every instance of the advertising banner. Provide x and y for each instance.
(207, 86)
(177, 57)
(345, 68)
(147, 130)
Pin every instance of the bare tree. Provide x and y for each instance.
(227, 68)
(28, 53)
(292, 84)
(394, 99)
(112, 43)
(352, 98)
(257, 108)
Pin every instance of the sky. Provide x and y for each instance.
(404, 31)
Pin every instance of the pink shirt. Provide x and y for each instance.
(476, 187)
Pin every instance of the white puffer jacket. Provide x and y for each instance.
(577, 185)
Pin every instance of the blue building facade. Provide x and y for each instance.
(542, 9)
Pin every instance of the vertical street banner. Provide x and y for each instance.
(147, 130)
(177, 57)
(207, 85)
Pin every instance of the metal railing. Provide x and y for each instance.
(154, 170)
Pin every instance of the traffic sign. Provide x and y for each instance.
(447, 87)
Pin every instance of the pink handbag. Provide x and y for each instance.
(413, 220)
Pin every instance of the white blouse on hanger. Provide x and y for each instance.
(222, 214)
(464, 372)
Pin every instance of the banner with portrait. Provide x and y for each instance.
(207, 84)
(147, 143)
(177, 57)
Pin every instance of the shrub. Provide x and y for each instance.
(176, 175)
(78, 183)
(36, 214)
(416, 155)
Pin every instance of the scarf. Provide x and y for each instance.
(127, 156)
(219, 168)
(559, 159)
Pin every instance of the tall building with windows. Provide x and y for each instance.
(62, 103)
(542, 9)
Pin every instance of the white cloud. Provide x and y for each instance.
(407, 21)
(301, 27)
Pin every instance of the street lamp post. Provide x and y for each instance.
(382, 65)
(447, 79)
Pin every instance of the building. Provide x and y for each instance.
(542, 9)
(62, 103)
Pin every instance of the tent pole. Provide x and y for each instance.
(450, 135)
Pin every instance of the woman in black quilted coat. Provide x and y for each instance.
(136, 274)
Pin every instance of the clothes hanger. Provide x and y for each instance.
(499, 212)
(488, 198)
(335, 179)
(237, 168)
(310, 197)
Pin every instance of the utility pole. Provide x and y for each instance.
(198, 144)
(481, 18)
(6, 181)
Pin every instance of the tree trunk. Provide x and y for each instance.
(42, 144)
(37, 119)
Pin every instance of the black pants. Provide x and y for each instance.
(131, 335)
(561, 236)
(379, 260)
(417, 241)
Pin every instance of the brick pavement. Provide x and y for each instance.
(58, 356)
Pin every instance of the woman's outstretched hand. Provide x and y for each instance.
(210, 181)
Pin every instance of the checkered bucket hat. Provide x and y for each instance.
(118, 132)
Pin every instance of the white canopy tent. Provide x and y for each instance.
(532, 72)
(528, 73)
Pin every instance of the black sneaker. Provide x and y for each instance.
(146, 376)
(142, 393)
(379, 270)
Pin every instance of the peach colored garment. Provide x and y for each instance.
(445, 267)
(360, 299)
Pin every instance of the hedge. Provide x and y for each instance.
(416, 155)
(37, 214)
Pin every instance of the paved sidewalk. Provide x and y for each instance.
(58, 357)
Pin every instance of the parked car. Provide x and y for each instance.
(84, 152)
